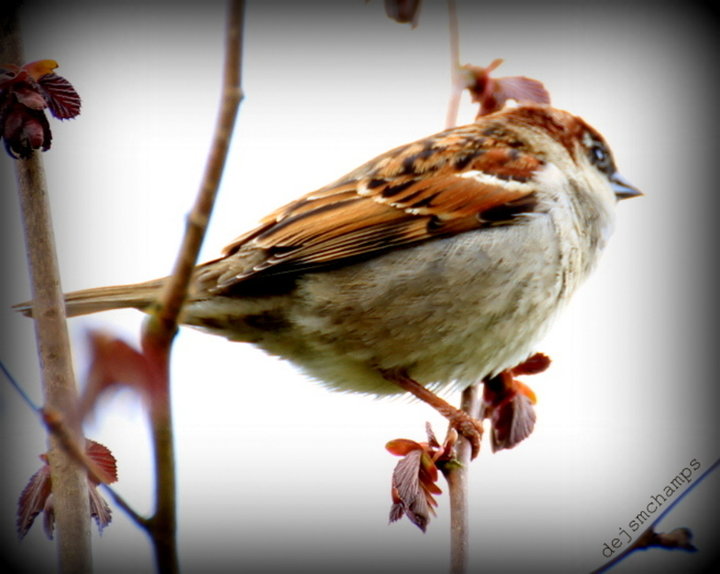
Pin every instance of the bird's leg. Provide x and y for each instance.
(461, 421)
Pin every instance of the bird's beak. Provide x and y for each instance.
(622, 189)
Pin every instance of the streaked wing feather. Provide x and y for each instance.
(432, 188)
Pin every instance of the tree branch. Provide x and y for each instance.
(173, 295)
(70, 488)
(457, 474)
(457, 82)
(457, 479)
(159, 331)
(70, 494)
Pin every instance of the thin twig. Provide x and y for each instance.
(171, 300)
(456, 79)
(138, 519)
(645, 535)
(56, 425)
(16, 385)
(159, 330)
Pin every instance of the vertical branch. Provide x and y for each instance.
(70, 494)
(159, 331)
(457, 478)
(173, 295)
(456, 78)
(69, 480)
(457, 474)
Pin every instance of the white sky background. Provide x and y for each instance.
(273, 469)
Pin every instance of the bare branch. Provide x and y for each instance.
(457, 82)
(160, 329)
(70, 489)
(60, 393)
(172, 298)
(457, 475)
(457, 479)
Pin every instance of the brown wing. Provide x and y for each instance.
(440, 186)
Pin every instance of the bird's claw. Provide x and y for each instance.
(470, 428)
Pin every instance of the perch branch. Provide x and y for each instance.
(457, 474)
(457, 479)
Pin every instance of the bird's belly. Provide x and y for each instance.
(448, 312)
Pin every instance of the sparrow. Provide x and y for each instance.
(433, 266)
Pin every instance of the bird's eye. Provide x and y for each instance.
(599, 155)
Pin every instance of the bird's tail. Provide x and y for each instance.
(137, 296)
